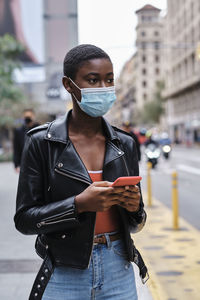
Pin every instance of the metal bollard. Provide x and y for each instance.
(175, 201)
(149, 190)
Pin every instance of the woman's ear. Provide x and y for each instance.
(67, 84)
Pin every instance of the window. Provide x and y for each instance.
(144, 58)
(144, 83)
(186, 67)
(145, 97)
(143, 45)
(156, 45)
(193, 63)
(144, 71)
(143, 33)
(156, 33)
(157, 71)
(157, 58)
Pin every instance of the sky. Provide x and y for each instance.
(110, 25)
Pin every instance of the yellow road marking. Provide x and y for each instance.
(172, 256)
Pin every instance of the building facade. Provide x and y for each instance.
(137, 80)
(182, 70)
(61, 34)
(123, 109)
(149, 44)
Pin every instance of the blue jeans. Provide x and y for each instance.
(109, 277)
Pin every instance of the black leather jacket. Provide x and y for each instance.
(52, 174)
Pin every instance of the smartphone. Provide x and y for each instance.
(129, 180)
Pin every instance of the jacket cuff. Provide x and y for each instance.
(137, 220)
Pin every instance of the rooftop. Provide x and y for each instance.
(147, 7)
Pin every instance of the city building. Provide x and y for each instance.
(137, 81)
(125, 91)
(149, 43)
(182, 70)
(61, 34)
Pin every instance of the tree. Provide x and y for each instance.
(10, 93)
(153, 110)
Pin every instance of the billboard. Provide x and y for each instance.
(24, 20)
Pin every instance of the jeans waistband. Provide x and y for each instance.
(106, 238)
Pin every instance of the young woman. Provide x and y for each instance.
(65, 194)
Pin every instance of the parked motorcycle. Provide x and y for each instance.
(152, 153)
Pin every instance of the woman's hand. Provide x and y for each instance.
(129, 197)
(100, 196)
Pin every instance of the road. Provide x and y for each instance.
(186, 161)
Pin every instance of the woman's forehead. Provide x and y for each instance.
(96, 65)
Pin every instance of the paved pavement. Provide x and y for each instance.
(172, 256)
(18, 261)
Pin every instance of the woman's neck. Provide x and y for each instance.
(80, 123)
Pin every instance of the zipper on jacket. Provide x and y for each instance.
(71, 176)
(125, 165)
(56, 219)
(127, 170)
(92, 242)
(44, 223)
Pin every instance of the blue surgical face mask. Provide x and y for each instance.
(96, 102)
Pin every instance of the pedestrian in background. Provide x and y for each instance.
(65, 194)
(126, 126)
(19, 136)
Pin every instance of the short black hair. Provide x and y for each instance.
(76, 57)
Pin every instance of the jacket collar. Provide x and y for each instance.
(58, 130)
(69, 162)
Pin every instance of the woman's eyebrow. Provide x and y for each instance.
(96, 74)
(92, 73)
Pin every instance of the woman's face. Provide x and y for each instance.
(94, 73)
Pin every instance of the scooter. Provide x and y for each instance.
(166, 149)
(152, 153)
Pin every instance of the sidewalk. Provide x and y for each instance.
(172, 256)
(18, 260)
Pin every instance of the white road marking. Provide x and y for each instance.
(189, 169)
(179, 156)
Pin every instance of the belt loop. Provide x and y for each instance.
(109, 243)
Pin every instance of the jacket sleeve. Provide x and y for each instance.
(137, 219)
(34, 215)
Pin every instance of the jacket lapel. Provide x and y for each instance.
(69, 162)
(112, 152)
(71, 165)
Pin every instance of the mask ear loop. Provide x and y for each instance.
(78, 102)
(74, 83)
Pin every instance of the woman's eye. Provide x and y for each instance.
(92, 80)
(110, 80)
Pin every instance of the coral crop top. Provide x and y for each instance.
(107, 221)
